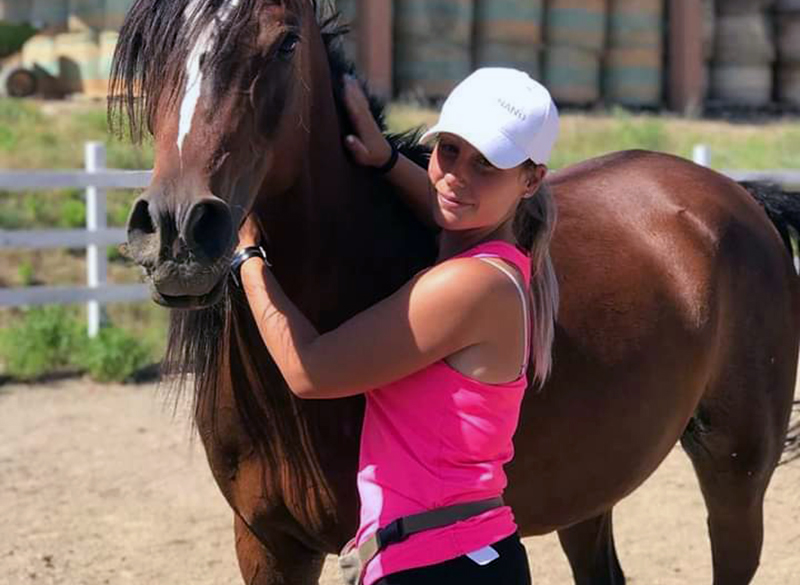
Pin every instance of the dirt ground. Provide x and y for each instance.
(100, 484)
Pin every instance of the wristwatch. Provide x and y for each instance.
(390, 164)
(243, 256)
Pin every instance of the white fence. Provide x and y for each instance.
(701, 154)
(97, 236)
(96, 179)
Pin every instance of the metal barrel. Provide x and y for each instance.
(709, 28)
(634, 62)
(433, 45)
(434, 19)
(509, 21)
(430, 68)
(522, 56)
(572, 75)
(743, 39)
(788, 29)
(742, 84)
(789, 83)
(633, 76)
(508, 33)
(636, 23)
(728, 7)
(576, 23)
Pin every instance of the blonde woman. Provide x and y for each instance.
(442, 361)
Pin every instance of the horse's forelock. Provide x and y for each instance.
(158, 37)
(155, 44)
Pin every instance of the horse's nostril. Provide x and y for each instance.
(209, 228)
(140, 223)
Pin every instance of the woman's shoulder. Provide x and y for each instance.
(470, 277)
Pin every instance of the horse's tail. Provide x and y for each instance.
(783, 209)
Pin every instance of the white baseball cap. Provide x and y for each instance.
(505, 114)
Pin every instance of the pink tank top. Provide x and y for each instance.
(436, 438)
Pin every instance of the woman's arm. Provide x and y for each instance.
(370, 148)
(438, 313)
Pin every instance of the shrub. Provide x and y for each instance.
(43, 342)
(26, 273)
(72, 213)
(13, 36)
(113, 356)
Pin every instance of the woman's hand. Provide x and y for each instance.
(369, 147)
(249, 233)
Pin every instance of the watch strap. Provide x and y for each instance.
(390, 164)
(242, 256)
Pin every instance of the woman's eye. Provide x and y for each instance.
(484, 163)
(289, 45)
(448, 149)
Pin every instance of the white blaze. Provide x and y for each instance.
(194, 74)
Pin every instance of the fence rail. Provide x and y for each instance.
(701, 154)
(96, 178)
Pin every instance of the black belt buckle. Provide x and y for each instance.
(391, 533)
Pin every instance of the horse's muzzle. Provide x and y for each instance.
(185, 251)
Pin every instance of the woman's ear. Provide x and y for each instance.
(534, 177)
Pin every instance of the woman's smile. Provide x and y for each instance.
(450, 202)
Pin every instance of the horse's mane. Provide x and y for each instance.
(150, 57)
(154, 45)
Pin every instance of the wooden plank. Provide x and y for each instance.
(375, 48)
(46, 239)
(685, 56)
(111, 179)
(46, 295)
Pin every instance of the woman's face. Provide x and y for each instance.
(470, 192)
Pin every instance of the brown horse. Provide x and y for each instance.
(679, 319)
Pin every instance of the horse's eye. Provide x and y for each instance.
(289, 45)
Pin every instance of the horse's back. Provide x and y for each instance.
(642, 217)
(663, 267)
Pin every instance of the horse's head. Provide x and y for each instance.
(225, 89)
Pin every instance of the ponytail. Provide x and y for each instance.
(534, 224)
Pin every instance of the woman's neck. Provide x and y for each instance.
(452, 243)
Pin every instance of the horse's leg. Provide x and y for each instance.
(285, 561)
(589, 547)
(734, 445)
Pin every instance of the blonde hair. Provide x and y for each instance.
(534, 224)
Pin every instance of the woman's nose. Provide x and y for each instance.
(453, 179)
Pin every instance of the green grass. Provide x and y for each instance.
(49, 340)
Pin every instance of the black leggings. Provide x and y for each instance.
(510, 569)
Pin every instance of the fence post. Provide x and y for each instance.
(96, 220)
(701, 155)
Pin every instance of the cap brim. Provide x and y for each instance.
(495, 146)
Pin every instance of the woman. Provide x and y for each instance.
(443, 360)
